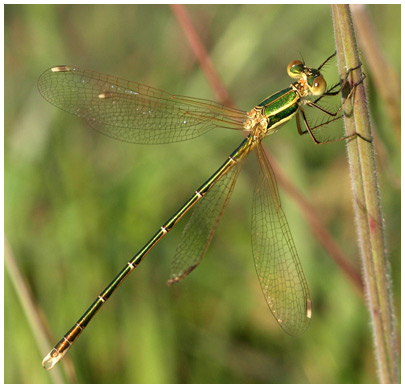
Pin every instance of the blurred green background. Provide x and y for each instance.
(79, 205)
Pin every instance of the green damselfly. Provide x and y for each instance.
(137, 113)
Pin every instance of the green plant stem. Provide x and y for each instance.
(367, 207)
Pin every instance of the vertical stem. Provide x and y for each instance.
(367, 207)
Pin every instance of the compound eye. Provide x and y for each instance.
(295, 69)
(318, 86)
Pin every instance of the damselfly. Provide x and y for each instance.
(137, 113)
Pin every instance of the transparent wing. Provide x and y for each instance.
(201, 226)
(277, 264)
(132, 112)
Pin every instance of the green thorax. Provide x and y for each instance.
(280, 107)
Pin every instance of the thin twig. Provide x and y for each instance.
(221, 93)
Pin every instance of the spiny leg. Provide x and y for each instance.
(311, 130)
(335, 115)
(341, 84)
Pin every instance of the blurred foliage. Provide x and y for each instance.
(79, 205)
